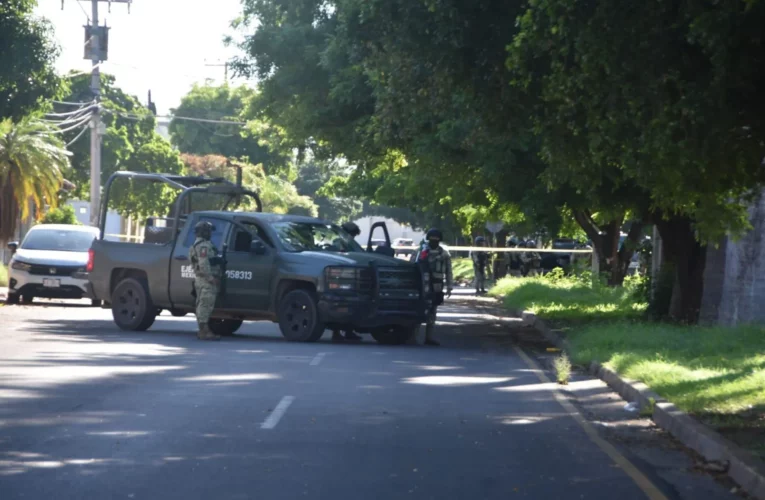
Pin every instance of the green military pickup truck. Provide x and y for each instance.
(304, 273)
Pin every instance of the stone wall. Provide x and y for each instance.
(734, 279)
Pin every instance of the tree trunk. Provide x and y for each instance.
(688, 258)
(606, 245)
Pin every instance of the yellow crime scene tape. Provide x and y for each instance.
(448, 247)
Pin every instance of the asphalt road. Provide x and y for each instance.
(90, 412)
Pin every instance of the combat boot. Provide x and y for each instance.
(206, 334)
(429, 340)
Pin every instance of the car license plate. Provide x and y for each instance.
(49, 283)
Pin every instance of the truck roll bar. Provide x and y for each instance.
(187, 185)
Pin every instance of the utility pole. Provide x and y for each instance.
(96, 50)
(95, 136)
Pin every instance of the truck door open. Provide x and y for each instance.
(386, 248)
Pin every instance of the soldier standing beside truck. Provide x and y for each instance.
(438, 265)
(204, 256)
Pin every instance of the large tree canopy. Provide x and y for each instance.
(256, 142)
(27, 57)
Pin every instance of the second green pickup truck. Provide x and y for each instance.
(304, 273)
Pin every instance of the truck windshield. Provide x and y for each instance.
(314, 237)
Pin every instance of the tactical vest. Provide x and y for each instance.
(437, 268)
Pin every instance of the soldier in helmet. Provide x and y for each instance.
(480, 261)
(532, 261)
(204, 258)
(438, 263)
(353, 230)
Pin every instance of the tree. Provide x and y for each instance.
(32, 165)
(130, 143)
(256, 142)
(60, 215)
(27, 59)
(312, 175)
(277, 194)
(660, 99)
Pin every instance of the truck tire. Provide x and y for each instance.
(27, 299)
(299, 317)
(132, 307)
(394, 335)
(224, 327)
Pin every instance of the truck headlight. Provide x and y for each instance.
(21, 266)
(341, 278)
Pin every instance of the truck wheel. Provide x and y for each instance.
(299, 317)
(393, 335)
(224, 327)
(177, 313)
(132, 307)
(27, 299)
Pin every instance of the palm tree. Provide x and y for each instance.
(32, 164)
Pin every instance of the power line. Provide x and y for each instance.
(84, 129)
(65, 103)
(173, 117)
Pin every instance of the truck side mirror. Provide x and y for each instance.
(257, 247)
(13, 246)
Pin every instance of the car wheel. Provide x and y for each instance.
(394, 335)
(132, 307)
(12, 299)
(299, 317)
(177, 313)
(224, 327)
(27, 299)
(95, 303)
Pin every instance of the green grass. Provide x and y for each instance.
(569, 299)
(462, 270)
(700, 369)
(3, 276)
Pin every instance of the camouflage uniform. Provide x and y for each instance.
(480, 261)
(531, 260)
(439, 266)
(206, 283)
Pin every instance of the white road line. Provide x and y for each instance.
(278, 413)
(317, 359)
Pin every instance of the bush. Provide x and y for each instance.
(62, 215)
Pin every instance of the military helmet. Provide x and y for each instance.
(434, 234)
(480, 239)
(512, 241)
(351, 228)
(203, 229)
(531, 244)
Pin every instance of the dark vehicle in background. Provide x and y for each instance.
(304, 273)
(551, 260)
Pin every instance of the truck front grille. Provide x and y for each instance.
(399, 282)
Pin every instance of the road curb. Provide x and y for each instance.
(744, 468)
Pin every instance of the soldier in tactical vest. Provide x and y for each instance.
(353, 230)
(480, 261)
(204, 258)
(438, 264)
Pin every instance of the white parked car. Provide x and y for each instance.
(46, 262)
